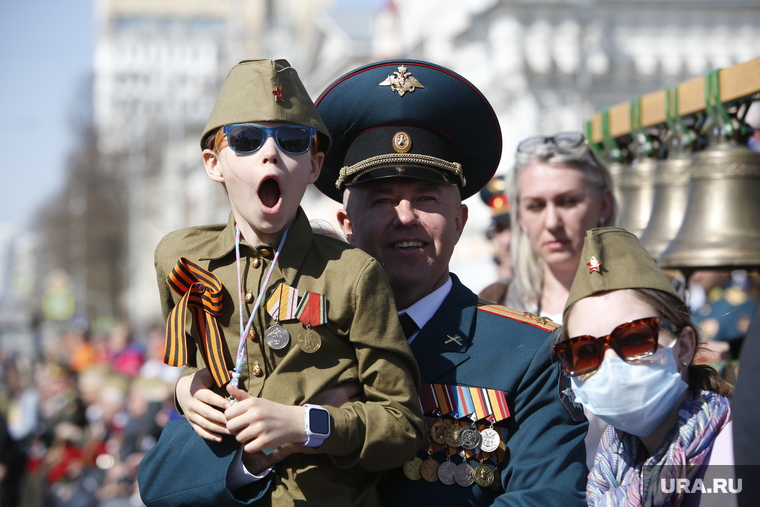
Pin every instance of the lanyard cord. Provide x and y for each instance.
(240, 360)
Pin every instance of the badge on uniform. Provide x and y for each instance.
(567, 396)
(310, 310)
(281, 305)
(462, 429)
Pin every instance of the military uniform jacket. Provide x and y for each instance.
(505, 350)
(362, 340)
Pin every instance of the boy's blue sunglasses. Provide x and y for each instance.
(244, 138)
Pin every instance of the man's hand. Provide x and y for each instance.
(257, 462)
(339, 395)
(202, 406)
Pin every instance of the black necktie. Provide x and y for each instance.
(408, 325)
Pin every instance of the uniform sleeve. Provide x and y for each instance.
(164, 266)
(385, 431)
(547, 454)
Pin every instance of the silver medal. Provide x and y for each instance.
(464, 474)
(446, 472)
(489, 440)
(469, 437)
(277, 337)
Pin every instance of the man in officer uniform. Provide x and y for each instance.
(411, 141)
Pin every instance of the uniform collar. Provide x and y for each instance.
(435, 351)
(293, 253)
(424, 309)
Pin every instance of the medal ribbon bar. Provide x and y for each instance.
(462, 401)
(312, 310)
(282, 304)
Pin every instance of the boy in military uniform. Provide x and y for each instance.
(296, 313)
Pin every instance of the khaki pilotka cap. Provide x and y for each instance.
(265, 90)
(613, 259)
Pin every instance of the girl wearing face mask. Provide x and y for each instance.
(628, 344)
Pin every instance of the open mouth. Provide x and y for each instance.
(269, 193)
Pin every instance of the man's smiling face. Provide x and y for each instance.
(410, 226)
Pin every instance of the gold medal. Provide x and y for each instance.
(437, 430)
(412, 469)
(483, 475)
(451, 435)
(429, 470)
(446, 472)
(464, 475)
(277, 337)
(309, 341)
(489, 440)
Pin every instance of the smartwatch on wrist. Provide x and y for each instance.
(316, 423)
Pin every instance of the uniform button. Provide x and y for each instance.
(256, 369)
(265, 252)
(256, 262)
(252, 334)
(248, 297)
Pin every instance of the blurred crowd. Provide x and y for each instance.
(78, 417)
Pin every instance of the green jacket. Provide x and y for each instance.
(362, 340)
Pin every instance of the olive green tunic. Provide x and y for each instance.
(362, 341)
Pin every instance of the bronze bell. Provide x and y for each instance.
(671, 190)
(721, 227)
(637, 189)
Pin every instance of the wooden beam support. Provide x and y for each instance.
(736, 82)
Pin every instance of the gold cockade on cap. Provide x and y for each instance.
(402, 82)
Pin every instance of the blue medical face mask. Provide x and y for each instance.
(632, 397)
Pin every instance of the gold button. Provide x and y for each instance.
(248, 297)
(256, 369)
(265, 252)
(256, 262)
(252, 334)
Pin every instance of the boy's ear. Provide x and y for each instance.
(317, 159)
(213, 165)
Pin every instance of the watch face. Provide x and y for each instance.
(319, 421)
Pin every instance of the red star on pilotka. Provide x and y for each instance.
(278, 95)
(593, 265)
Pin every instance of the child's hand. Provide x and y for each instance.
(261, 424)
(199, 404)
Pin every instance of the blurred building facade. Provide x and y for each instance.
(546, 66)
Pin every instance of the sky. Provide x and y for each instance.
(46, 56)
(46, 52)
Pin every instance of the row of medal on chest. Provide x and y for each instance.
(449, 472)
(453, 435)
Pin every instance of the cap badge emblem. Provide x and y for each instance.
(402, 82)
(402, 143)
(593, 265)
(278, 95)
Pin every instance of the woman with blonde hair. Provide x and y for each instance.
(559, 188)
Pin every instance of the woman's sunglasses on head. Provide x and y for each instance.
(631, 341)
(564, 142)
(244, 138)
